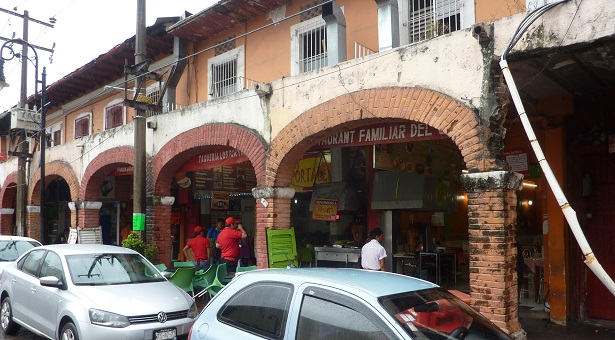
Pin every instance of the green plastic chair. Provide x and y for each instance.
(221, 273)
(204, 278)
(219, 281)
(182, 278)
(306, 256)
(161, 267)
(184, 264)
(245, 269)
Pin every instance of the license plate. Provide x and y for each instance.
(165, 334)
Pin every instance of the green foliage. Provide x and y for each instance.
(151, 252)
(134, 242)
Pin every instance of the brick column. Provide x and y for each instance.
(158, 221)
(85, 214)
(33, 222)
(6, 221)
(492, 202)
(272, 211)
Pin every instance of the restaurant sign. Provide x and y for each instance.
(310, 171)
(123, 171)
(381, 134)
(325, 209)
(214, 158)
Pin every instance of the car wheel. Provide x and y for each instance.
(9, 326)
(69, 332)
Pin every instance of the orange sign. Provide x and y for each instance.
(325, 209)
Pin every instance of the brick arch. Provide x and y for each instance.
(389, 104)
(190, 143)
(100, 167)
(53, 170)
(9, 191)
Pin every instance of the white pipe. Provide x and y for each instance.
(569, 213)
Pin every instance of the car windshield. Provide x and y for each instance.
(110, 269)
(10, 250)
(438, 314)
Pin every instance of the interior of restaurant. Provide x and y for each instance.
(410, 190)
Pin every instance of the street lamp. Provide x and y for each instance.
(8, 45)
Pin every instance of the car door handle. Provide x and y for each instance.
(33, 289)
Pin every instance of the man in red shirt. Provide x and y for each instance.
(200, 248)
(228, 242)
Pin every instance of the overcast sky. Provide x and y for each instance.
(84, 29)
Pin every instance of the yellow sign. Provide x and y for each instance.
(325, 209)
(145, 99)
(220, 201)
(309, 172)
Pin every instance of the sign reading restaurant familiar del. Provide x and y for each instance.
(381, 134)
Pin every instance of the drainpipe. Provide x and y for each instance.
(388, 24)
(336, 33)
(571, 216)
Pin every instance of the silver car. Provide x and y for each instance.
(12, 247)
(327, 303)
(73, 291)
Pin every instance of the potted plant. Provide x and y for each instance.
(134, 242)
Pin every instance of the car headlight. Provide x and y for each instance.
(102, 318)
(193, 311)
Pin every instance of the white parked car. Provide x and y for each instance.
(12, 247)
(85, 291)
(340, 304)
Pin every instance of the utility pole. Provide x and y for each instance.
(22, 189)
(19, 136)
(138, 215)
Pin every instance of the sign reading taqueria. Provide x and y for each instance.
(381, 134)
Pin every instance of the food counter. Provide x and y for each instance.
(339, 257)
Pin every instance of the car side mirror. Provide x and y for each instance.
(51, 281)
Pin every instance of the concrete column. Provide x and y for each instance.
(159, 222)
(492, 216)
(272, 211)
(336, 33)
(388, 24)
(85, 214)
(33, 222)
(6, 221)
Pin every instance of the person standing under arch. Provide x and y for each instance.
(228, 242)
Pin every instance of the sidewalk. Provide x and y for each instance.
(539, 328)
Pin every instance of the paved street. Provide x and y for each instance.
(21, 335)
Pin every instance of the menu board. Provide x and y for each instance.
(428, 157)
(237, 178)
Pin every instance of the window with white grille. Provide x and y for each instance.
(114, 116)
(153, 91)
(308, 46)
(82, 125)
(425, 19)
(226, 73)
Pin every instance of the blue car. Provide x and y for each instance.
(340, 303)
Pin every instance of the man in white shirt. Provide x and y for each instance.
(373, 253)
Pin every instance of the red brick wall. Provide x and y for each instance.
(159, 222)
(493, 279)
(276, 215)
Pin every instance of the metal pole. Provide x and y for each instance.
(20, 203)
(138, 213)
(42, 162)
